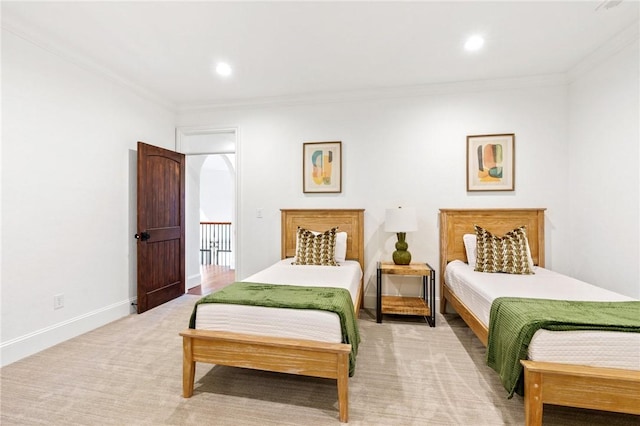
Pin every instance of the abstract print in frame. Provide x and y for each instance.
(322, 167)
(491, 162)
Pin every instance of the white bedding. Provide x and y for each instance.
(294, 323)
(477, 290)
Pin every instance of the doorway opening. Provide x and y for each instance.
(217, 257)
(211, 202)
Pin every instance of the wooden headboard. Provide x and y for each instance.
(454, 223)
(349, 220)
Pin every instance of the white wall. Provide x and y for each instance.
(192, 220)
(604, 174)
(68, 196)
(406, 151)
(217, 196)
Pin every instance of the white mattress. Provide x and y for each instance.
(294, 323)
(477, 290)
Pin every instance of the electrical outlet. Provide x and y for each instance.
(58, 301)
(259, 213)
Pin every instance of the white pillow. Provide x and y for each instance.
(470, 247)
(340, 254)
(341, 247)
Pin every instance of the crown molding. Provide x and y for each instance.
(604, 51)
(31, 36)
(384, 93)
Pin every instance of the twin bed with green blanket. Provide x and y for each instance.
(552, 340)
(514, 321)
(331, 299)
(264, 324)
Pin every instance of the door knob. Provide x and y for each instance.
(144, 236)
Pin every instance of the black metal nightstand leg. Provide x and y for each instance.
(432, 300)
(379, 295)
(425, 295)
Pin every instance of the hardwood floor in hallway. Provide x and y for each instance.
(214, 277)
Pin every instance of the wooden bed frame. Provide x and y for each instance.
(608, 389)
(285, 355)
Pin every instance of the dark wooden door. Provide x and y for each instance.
(161, 230)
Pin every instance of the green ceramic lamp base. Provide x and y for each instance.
(401, 256)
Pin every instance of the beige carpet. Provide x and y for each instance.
(130, 373)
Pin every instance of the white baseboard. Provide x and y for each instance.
(193, 281)
(29, 344)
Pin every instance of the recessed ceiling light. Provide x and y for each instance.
(474, 43)
(223, 69)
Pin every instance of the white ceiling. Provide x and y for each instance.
(296, 49)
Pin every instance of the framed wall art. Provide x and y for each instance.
(322, 167)
(491, 162)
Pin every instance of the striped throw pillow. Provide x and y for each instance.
(316, 248)
(509, 253)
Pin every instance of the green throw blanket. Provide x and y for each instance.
(332, 299)
(513, 322)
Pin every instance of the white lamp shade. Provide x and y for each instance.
(401, 219)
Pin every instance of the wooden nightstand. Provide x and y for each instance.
(399, 305)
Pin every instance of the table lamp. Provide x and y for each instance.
(401, 221)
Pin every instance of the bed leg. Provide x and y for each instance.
(532, 398)
(443, 304)
(443, 296)
(343, 386)
(188, 367)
